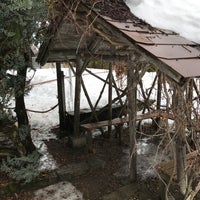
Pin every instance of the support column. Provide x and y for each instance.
(180, 142)
(77, 97)
(158, 104)
(61, 97)
(110, 98)
(132, 112)
(189, 102)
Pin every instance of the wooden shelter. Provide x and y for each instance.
(82, 31)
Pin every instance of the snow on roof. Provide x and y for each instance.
(178, 56)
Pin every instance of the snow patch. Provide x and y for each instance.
(61, 191)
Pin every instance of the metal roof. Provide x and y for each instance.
(173, 54)
(180, 54)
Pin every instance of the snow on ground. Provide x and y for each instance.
(44, 96)
(59, 191)
(180, 16)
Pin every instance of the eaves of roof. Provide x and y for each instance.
(177, 52)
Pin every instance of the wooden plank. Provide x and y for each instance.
(117, 121)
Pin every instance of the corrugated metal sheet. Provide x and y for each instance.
(177, 52)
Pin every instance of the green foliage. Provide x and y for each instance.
(22, 169)
(18, 27)
(21, 5)
(6, 117)
(19, 23)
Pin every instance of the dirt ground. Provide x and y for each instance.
(96, 184)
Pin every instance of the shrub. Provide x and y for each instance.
(22, 169)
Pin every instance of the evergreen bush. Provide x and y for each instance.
(22, 169)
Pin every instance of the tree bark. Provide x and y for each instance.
(20, 109)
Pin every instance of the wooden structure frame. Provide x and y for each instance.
(83, 34)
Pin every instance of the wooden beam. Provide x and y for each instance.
(110, 97)
(61, 96)
(132, 110)
(77, 97)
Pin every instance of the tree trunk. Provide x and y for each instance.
(20, 109)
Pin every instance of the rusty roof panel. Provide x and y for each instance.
(137, 26)
(172, 51)
(133, 27)
(186, 67)
(166, 31)
(138, 37)
(161, 39)
(169, 39)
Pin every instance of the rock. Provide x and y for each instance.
(61, 191)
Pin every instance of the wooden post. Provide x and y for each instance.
(77, 97)
(110, 98)
(158, 103)
(132, 110)
(189, 102)
(61, 96)
(179, 115)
